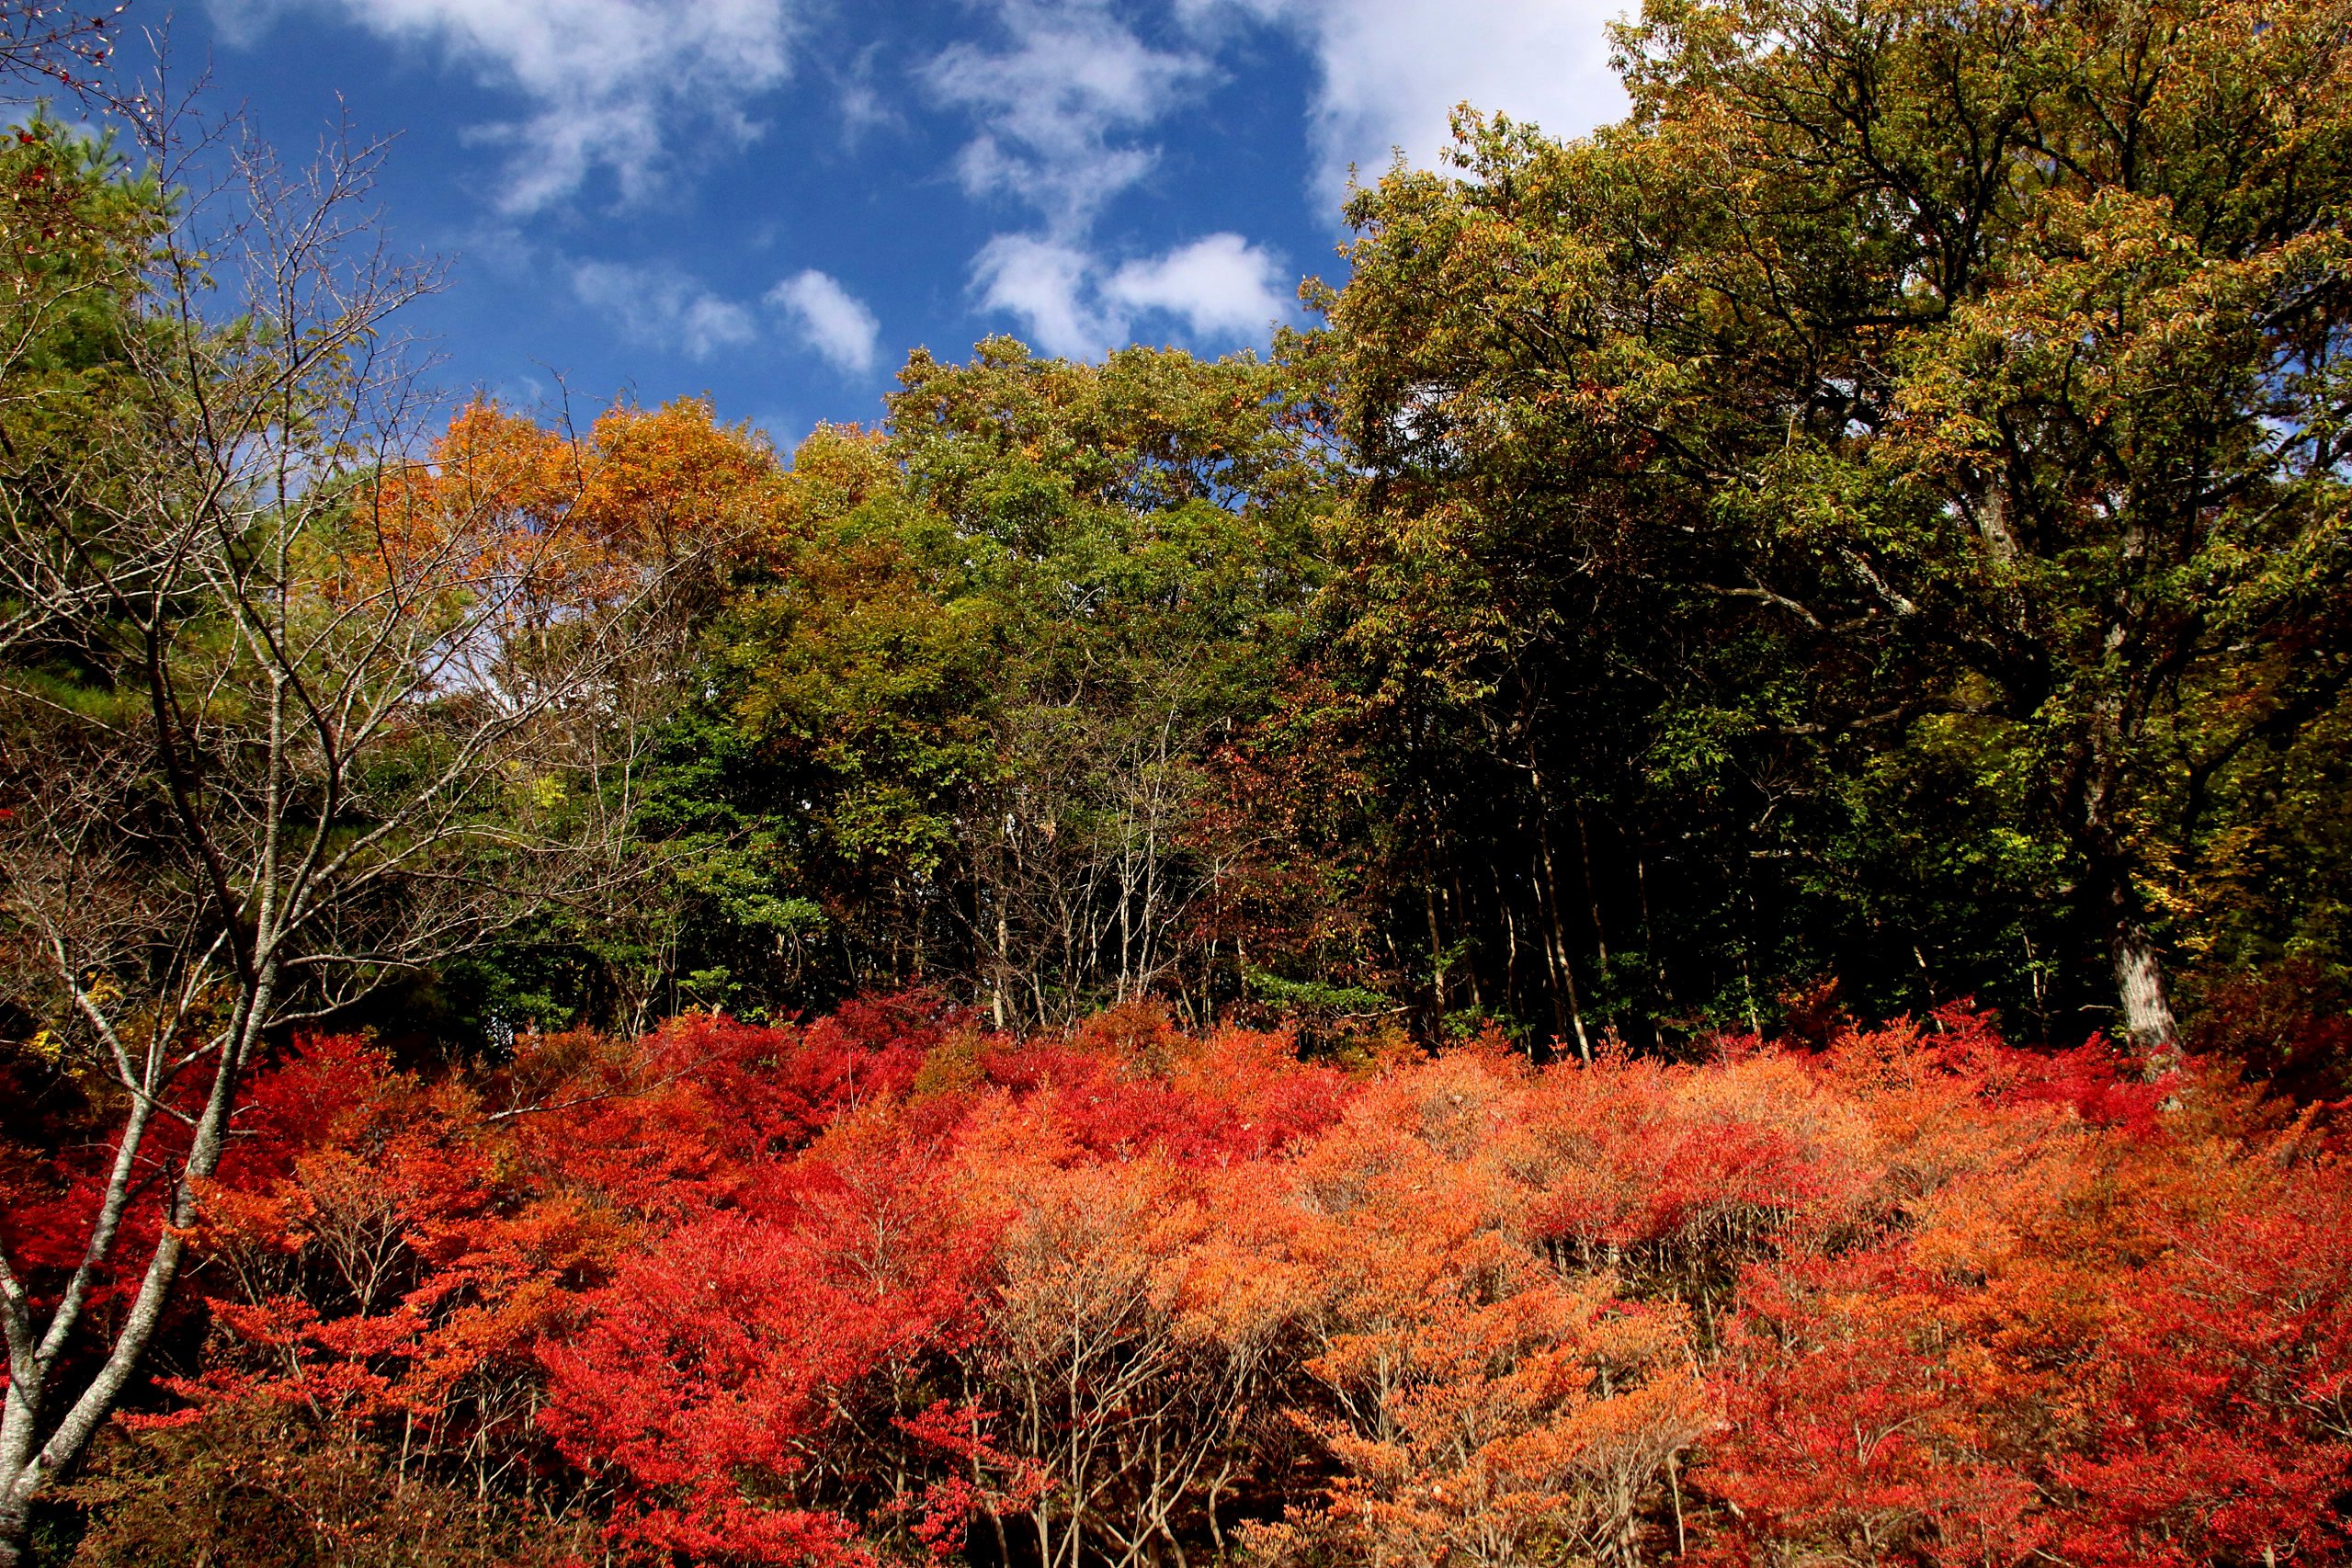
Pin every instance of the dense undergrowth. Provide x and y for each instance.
(887, 1288)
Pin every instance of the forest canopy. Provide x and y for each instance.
(1876, 515)
(1675, 888)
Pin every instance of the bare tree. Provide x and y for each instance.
(1085, 862)
(65, 46)
(283, 714)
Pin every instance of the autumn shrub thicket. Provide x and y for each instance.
(886, 1287)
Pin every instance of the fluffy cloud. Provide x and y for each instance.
(1045, 284)
(609, 84)
(1062, 114)
(1389, 71)
(1222, 288)
(1057, 109)
(1065, 112)
(831, 320)
(663, 308)
(1065, 116)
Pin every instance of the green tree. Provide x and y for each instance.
(961, 710)
(1908, 451)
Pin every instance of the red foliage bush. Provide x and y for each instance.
(2288, 1025)
(844, 1292)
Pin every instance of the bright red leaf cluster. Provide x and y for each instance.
(886, 1287)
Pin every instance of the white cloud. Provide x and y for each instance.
(1389, 71)
(609, 84)
(1064, 118)
(1062, 114)
(863, 107)
(1222, 288)
(1044, 283)
(663, 308)
(833, 321)
(1053, 110)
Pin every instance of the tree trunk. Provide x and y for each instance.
(31, 1463)
(2146, 1014)
(2141, 1010)
(1563, 967)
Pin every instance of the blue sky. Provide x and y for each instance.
(773, 200)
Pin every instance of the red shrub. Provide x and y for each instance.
(840, 1292)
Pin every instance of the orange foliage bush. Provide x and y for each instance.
(886, 1286)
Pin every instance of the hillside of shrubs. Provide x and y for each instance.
(893, 1288)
